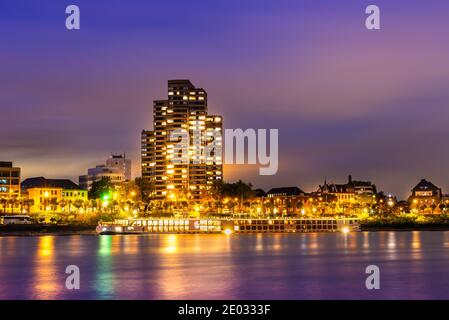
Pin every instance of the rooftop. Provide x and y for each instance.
(5, 164)
(287, 191)
(41, 182)
(425, 185)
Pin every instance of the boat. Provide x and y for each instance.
(15, 219)
(227, 225)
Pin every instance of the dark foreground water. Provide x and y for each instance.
(413, 265)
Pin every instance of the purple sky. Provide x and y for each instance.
(345, 100)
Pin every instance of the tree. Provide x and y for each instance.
(54, 204)
(78, 204)
(28, 203)
(100, 188)
(146, 188)
(239, 191)
(4, 202)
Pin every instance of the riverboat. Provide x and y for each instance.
(228, 226)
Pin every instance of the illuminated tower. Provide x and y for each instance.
(185, 110)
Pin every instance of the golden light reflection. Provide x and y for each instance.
(446, 239)
(130, 245)
(46, 285)
(417, 253)
(259, 242)
(46, 246)
(277, 244)
(179, 278)
(313, 245)
(353, 241)
(416, 240)
(366, 240)
(170, 244)
(391, 240)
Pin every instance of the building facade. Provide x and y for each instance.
(284, 200)
(177, 157)
(117, 170)
(53, 195)
(147, 155)
(425, 197)
(352, 191)
(121, 163)
(9, 185)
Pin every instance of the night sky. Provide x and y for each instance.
(374, 104)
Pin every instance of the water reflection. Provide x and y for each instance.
(104, 280)
(238, 266)
(171, 245)
(416, 240)
(181, 268)
(366, 240)
(45, 284)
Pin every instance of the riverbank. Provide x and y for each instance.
(47, 229)
(66, 230)
(404, 227)
(406, 223)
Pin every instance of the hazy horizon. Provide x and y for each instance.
(373, 104)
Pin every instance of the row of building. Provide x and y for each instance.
(56, 195)
(184, 111)
(425, 197)
(45, 194)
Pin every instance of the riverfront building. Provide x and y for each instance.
(53, 195)
(352, 191)
(9, 185)
(425, 197)
(182, 155)
(285, 200)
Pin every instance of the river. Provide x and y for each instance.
(413, 265)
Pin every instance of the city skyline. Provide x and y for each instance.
(345, 101)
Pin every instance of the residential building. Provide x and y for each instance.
(349, 192)
(284, 192)
(177, 157)
(9, 185)
(425, 197)
(148, 160)
(117, 170)
(285, 200)
(52, 195)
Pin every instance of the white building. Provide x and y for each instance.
(121, 163)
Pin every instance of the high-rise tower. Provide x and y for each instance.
(185, 111)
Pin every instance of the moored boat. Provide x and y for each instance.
(228, 226)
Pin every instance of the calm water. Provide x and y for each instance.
(414, 265)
